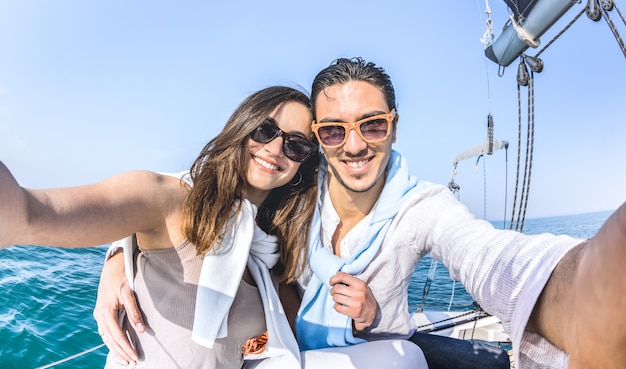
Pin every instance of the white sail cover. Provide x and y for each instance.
(532, 19)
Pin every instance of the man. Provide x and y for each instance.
(375, 221)
(546, 289)
(358, 221)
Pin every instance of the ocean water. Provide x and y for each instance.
(47, 297)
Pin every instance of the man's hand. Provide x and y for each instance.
(353, 298)
(114, 295)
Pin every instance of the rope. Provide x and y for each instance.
(524, 192)
(478, 313)
(488, 34)
(452, 297)
(484, 189)
(506, 184)
(484, 183)
(72, 357)
(429, 279)
(561, 33)
(609, 21)
(524, 79)
(529, 80)
(619, 13)
(519, 152)
(531, 140)
(523, 34)
(474, 329)
(469, 312)
(606, 16)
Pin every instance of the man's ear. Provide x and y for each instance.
(394, 127)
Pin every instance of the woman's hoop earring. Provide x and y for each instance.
(299, 176)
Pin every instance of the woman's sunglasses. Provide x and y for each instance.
(371, 129)
(296, 147)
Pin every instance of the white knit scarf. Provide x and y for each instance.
(244, 244)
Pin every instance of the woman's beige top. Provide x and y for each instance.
(165, 284)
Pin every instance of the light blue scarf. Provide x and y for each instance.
(318, 324)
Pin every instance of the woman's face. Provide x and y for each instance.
(269, 168)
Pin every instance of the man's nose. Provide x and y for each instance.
(354, 143)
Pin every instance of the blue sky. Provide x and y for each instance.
(89, 89)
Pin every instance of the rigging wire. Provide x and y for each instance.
(72, 357)
(487, 39)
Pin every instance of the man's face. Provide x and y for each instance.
(356, 165)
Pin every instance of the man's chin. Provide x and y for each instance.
(352, 183)
(355, 184)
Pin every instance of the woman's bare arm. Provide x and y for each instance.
(12, 207)
(89, 215)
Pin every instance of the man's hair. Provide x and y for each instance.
(344, 70)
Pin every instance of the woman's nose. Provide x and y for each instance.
(275, 146)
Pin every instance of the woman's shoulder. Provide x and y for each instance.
(153, 193)
(153, 180)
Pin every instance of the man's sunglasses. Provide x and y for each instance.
(295, 146)
(371, 129)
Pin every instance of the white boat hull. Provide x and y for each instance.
(472, 325)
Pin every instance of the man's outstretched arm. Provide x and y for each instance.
(581, 309)
(114, 294)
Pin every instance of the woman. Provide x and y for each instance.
(201, 275)
(260, 167)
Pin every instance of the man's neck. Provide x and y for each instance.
(349, 204)
(351, 207)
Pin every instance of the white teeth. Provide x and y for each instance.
(356, 164)
(266, 164)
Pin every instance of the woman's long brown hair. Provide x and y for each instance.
(219, 180)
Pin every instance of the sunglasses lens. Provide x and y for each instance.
(374, 129)
(332, 135)
(297, 148)
(264, 133)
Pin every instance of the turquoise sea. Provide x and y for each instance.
(47, 297)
